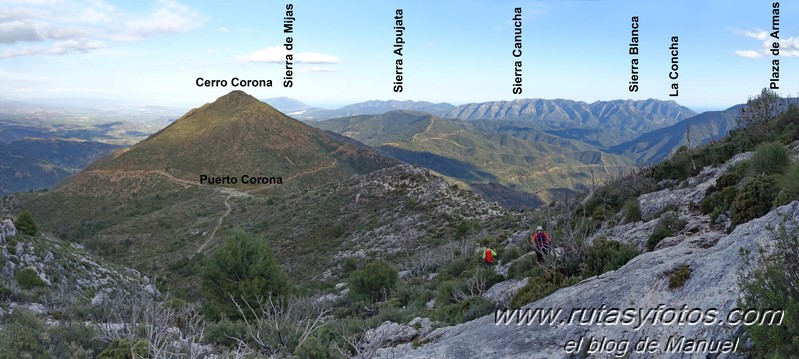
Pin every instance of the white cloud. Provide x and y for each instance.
(19, 31)
(224, 29)
(16, 14)
(277, 54)
(17, 52)
(75, 46)
(789, 47)
(71, 26)
(169, 17)
(756, 34)
(317, 69)
(99, 11)
(752, 54)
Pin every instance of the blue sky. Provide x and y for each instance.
(152, 51)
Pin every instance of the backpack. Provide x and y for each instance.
(489, 256)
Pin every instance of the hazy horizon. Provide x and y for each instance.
(153, 52)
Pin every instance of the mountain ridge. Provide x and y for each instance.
(239, 135)
(499, 165)
(612, 122)
(657, 145)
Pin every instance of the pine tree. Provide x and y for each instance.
(25, 223)
(244, 268)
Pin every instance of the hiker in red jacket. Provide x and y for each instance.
(489, 256)
(540, 240)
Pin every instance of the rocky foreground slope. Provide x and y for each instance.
(691, 277)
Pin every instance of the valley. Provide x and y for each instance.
(391, 180)
(404, 194)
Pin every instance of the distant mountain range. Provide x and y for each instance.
(601, 123)
(33, 164)
(515, 165)
(300, 111)
(655, 146)
(644, 131)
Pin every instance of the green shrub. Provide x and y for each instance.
(220, 332)
(74, 340)
(508, 255)
(522, 267)
(790, 186)
(348, 265)
(411, 294)
(711, 202)
(769, 158)
(542, 286)
(23, 336)
(632, 210)
(476, 307)
(769, 284)
(446, 291)
(25, 223)
(754, 199)
(733, 176)
(456, 267)
(28, 279)
(604, 255)
(242, 267)
(668, 225)
(123, 348)
(372, 282)
(450, 314)
(718, 202)
(657, 236)
(678, 277)
(718, 153)
(314, 348)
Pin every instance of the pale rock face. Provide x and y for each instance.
(711, 255)
(501, 293)
(423, 325)
(7, 230)
(389, 334)
(640, 284)
(684, 200)
(692, 194)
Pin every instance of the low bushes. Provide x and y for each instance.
(769, 158)
(668, 225)
(678, 277)
(632, 210)
(605, 255)
(754, 199)
(790, 186)
(372, 282)
(28, 279)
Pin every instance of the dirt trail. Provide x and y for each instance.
(429, 126)
(303, 173)
(231, 193)
(162, 173)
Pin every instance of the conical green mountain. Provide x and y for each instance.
(239, 135)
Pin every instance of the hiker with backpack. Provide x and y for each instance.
(489, 255)
(541, 241)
